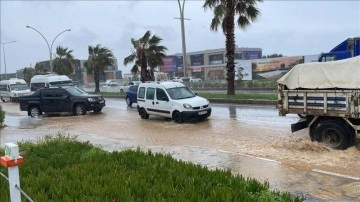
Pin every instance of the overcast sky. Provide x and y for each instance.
(291, 28)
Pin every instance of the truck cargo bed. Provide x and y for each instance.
(330, 102)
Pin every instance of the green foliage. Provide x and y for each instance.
(2, 116)
(63, 169)
(225, 13)
(99, 58)
(63, 63)
(147, 52)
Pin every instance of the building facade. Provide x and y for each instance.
(207, 64)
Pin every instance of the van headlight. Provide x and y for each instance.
(91, 99)
(187, 106)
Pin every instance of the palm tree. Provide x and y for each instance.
(99, 58)
(64, 61)
(224, 15)
(147, 53)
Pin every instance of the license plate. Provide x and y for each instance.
(102, 101)
(203, 112)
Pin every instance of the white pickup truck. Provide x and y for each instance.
(327, 96)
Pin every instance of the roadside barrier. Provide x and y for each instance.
(12, 160)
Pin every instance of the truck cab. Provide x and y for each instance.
(346, 49)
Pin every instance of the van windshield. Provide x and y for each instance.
(180, 93)
(61, 83)
(16, 87)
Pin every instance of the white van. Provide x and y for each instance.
(49, 80)
(171, 99)
(12, 89)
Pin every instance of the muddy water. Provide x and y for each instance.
(229, 139)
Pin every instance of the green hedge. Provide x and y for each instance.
(64, 169)
(2, 117)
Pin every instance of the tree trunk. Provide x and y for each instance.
(97, 81)
(230, 46)
(144, 74)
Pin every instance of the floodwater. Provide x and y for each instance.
(249, 140)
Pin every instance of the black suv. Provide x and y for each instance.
(61, 99)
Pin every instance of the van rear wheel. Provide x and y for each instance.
(143, 114)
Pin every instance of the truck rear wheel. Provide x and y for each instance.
(334, 133)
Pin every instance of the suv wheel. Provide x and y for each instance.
(79, 110)
(128, 101)
(177, 117)
(34, 111)
(143, 114)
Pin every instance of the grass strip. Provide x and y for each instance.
(61, 168)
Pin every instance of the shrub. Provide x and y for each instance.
(2, 116)
(63, 169)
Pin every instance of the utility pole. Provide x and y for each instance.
(181, 8)
(3, 44)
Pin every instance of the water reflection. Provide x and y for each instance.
(232, 111)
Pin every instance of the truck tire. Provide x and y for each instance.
(79, 109)
(143, 114)
(334, 133)
(177, 117)
(34, 111)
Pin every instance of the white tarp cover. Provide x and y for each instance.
(321, 75)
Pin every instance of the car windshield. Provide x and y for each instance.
(180, 93)
(15, 87)
(76, 91)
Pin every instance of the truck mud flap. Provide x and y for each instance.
(299, 125)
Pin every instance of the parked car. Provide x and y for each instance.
(125, 87)
(171, 99)
(61, 99)
(111, 84)
(195, 80)
(131, 95)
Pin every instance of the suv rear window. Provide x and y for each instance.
(142, 92)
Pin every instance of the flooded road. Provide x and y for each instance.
(250, 140)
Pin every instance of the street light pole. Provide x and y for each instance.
(47, 43)
(3, 44)
(181, 7)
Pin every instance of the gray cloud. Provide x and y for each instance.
(287, 27)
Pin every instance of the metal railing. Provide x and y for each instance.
(17, 187)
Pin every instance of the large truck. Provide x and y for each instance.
(328, 95)
(346, 49)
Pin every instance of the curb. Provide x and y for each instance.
(239, 101)
(227, 101)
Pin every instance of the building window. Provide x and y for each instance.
(238, 56)
(216, 59)
(197, 60)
